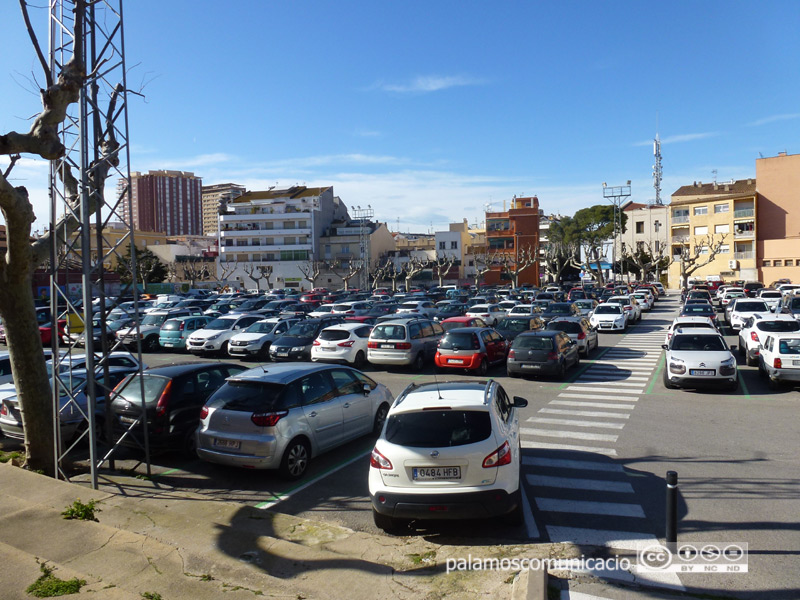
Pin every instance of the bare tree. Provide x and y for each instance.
(414, 267)
(483, 264)
(441, 267)
(380, 272)
(704, 251)
(514, 264)
(172, 270)
(393, 273)
(312, 269)
(256, 273)
(195, 268)
(646, 258)
(227, 268)
(17, 309)
(347, 270)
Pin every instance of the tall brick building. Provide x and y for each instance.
(166, 201)
(513, 233)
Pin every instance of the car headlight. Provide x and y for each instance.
(213, 337)
(298, 348)
(677, 366)
(728, 363)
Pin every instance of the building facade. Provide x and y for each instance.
(714, 212)
(778, 233)
(645, 230)
(513, 233)
(165, 201)
(216, 198)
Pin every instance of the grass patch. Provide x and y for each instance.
(80, 511)
(151, 596)
(426, 557)
(9, 456)
(48, 585)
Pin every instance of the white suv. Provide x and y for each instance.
(755, 330)
(448, 451)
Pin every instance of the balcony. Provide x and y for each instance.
(680, 219)
(744, 255)
(249, 217)
(245, 232)
(743, 213)
(681, 238)
(275, 248)
(744, 235)
(495, 233)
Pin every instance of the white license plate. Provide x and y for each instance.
(796, 363)
(227, 444)
(702, 372)
(283, 354)
(127, 420)
(386, 346)
(167, 344)
(436, 473)
(530, 366)
(455, 361)
(327, 349)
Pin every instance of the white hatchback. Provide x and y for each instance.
(343, 343)
(448, 451)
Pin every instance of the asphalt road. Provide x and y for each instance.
(596, 449)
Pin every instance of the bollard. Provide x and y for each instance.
(672, 511)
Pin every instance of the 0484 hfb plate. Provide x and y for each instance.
(436, 473)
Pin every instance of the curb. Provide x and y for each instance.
(530, 585)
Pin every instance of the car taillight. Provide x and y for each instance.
(628, 307)
(582, 335)
(372, 344)
(498, 458)
(182, 326)
(315, 343)
(379, 461)
(754, 336)
(777, 364)
(203, 412)
(3, 410)
(476, 345)
(269, 419)
(346, 344)
(163, 400)
(402, 346)
(552, 356)
(512, 353)
(350, 312)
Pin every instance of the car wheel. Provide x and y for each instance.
(512, 374)
(295, 459)
(516, 516)
(387, 523)
(151, 344)
(223, 350)
(732, 387)
(562, 372)
(419, 363)
(742, 349)
(751, 361)
(667, 383)
(360, 360)
(380, 419)
(483, 368)
(263, 354)
(189, 446)
(773, 384)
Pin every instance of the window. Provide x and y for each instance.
(701, 230)
(680, 212)
(453, 245)
(766, 263)
(442, 245)
(346, 249)
(726, 228)
(724, 248)
(788, 262)
(700, 210)
(703, 249)
(639, 226)
(777, 263)
(722, 208)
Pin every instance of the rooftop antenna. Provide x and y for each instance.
(657, 174)
(714, 175)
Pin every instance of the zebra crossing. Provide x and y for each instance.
(580, 493)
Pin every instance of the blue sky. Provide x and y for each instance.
(427, 111)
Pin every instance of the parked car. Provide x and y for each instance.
(471, 348)
(173, 398)
(423, 308)
(751, 288)
(342, 343)
(513, 325)
(586, 306)
(609, 317)
(174, 332)
(215, 337)
(448, 451)
(149, 329)
(462, 321)
(255, 341)
(282, 417)
(772, 298)
(580, 331)
(543, 352)
(351, 309)
(79, 339)
(744, 307)
(689, 322)
(779, 358)
(704, 309)
(699, 358)
(409, 342)
(451, 309)
(629, 304)
(646, 301)
(755, 329)
(790, 305)
(322, 310)
(490, 313)
(297, 342)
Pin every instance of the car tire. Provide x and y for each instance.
(512, 374)
(295, 459)
(483, 368)
(516, 517)
(189, 445)
(360, 360)
(732, 387)
(419, 363)
(223, 350)
(380, 419)
(151, 344)
(562, 372)
(388, 524)
(773, 384)
(667, 383)
(751, 361)
(263, 354)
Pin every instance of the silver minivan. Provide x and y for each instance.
(283, 416)
(404, 342)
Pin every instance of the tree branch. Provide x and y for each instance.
(32, 34)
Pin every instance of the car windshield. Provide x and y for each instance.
(698, 343)
(455, 340)
(152, 319)
(260, 327)
(480, 308)
(451, 308)
(684, 325)
(275, 304)
(751, 307)
(608, 309)
(775, 326)
(515, 324)
(770, 295)
(132, 390)
(789, 346)
(389, 332)
(171, 325)
(533, 342)
(220, 324)
(566, 326)
(559, 308)
(248, 396)
(438, 428)
(698, 308)
(304, 329)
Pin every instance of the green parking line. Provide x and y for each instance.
(588, 364)
(167, 472)
(660, 366)
(744, 385)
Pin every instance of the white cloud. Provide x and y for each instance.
(686, 137)
(366, 133)
(428, 83)
(202, 160)
(774, 119)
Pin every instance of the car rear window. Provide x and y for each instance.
(773, 326)
(751, 307)
(534, 342)
(608, 309)
(789, 346)
(438, 428)
(389, 332)
(171, 325)
(559, 309)
(565, 326)
(334, 335)
(454, 340)
(153, 385)
(249, 396)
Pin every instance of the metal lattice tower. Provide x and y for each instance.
(657, 169)
(364, 216)
(95, 135)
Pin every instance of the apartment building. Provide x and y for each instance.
(715, 212)
(280, 228)
(778, 239)
(512, 233)
(455, 243)
(169, 202)
(216, 198)
(645, 230)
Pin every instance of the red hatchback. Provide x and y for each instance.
(454, 322)
(471, 348)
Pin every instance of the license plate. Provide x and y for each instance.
(436, 473)
(455, 361)
(227, 443)
(796, 363)
(167, 344)
(328, 349)
(530, 366)
(702, 372)
(127, 420)
(283, 354)
(386, 346)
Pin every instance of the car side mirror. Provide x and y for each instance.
(665, 346)
(366, 389)
(519, 402)
(734, 347)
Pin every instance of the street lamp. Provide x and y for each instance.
(616, 195)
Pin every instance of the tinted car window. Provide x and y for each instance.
(153, 385)
(698, 342)
(751, 307)
(534, 342)
(334, 335)
(567, 326)
(789, 346)
(458, 339)
(345, 382)
(389, 332)
(438, 429)
(773, 326)
(316, 388)
(251, 396)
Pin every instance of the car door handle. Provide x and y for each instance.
(313, 413)
(346, 405)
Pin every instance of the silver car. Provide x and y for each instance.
(404, 342)
(282, 417)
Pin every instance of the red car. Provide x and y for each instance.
(454, 322)
(471, 348)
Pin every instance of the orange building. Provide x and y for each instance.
(514, 233)
(778, 231)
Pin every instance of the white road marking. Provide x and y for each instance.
(577, 423)
(577, 435)
(563, 463)
(548, 446)
(577, 483)
(585, 507)
(583, 413)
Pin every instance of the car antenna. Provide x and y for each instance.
(436, 380)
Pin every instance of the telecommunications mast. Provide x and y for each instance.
(657, 169)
